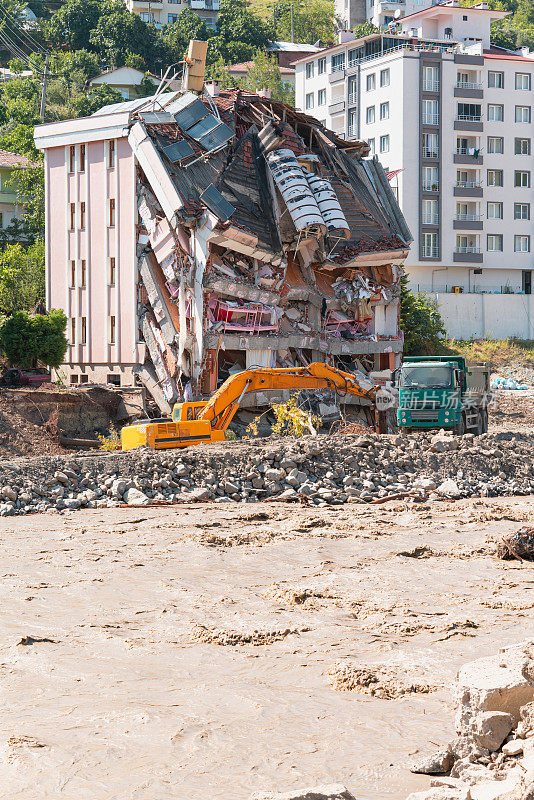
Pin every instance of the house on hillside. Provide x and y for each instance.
(192, 236)
(125, 80)
(10, 204)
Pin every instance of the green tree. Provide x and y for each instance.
(313, 21)
(22, 277)
(73, 22)
(239, 23)
(265, 74)
(188, 26)
(420, 321)
(119, 32)
(26, 340)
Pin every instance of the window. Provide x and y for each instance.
(469, 112)
(82, 216)
(430, 247)
(496, 80)
(321, 97)
(111, 153)
(462, 79)
(384, 110)
(430, 79)
(84, 378)
(114, 380)
(371, 143)
(521, 210)
(430, 114)
(384, 144)
(172, 18)
(522, 113)
(83, 274)
(354, 56)
(309, 100)
(522, 81)
(353, 90)
(112, 271)
(309, 70)
(73, 274)
(462, 211)
(495, 113)
(495, 144)
(146, 17)
(321, 66)
(338, 62)
(82, 158)
(495, 177)
(73, 380)
(521, 244)
(384, 77)
(112, 330)
(72, 216)
(73, 330)
(72, 158)
(494, 243)
(111, 213)
(494, 210)
(429, 214)
(353, 123)
(175, 2)
(371, 82)
(522, 147)
(83, 330)
(464, 17)
(430, 177)
(1, 219)
(430, 145)
(370, 114)
(522, 179)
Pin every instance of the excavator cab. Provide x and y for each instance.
(183, 412)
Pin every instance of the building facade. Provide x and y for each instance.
(10, 205)
(190, 237)
(450, 117)
(165, 12)
(381, 13)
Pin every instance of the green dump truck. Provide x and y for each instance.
(443, 392)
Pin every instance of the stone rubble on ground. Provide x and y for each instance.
(320, 471)
(334, 792)
(492, 757)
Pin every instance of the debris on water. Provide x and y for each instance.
(518, 545)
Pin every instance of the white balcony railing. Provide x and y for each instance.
(468, 184)
(430, 251)
(353, 98)
(430, 119)
(470, 248)
(352, 131)
(468, 217)
(429, 152)
(338, 67)
(469, 118)
(467, 151)
(430, 219)
(430, 86)
(431, 187)
(468, 85)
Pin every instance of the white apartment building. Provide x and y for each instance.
(165, 12)
(454, 114)
(349, 13)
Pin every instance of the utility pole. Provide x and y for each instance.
(292, 34)
(45, 79)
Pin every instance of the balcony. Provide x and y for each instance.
(430, 86)
(353, 98)
(353, 133)
(470, 254)
(469, 89)
(430, 119)
(467, 222)
(468, 122)
(429, 152)
(468, 189)
(431, 187)
(430, 251)
(430, 219)
(468, 155)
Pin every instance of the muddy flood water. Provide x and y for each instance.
(204, 650)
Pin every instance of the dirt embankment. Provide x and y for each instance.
(217, 651)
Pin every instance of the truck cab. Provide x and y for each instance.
(442, 392)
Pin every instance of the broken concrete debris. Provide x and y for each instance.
(518, 545)
(332, 792)
(276, 246)
(493, 756)
(319, 471)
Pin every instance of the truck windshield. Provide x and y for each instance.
(426, 377)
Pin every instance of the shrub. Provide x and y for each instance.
(26, 340)
(421, 323)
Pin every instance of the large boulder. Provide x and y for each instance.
(491, 728)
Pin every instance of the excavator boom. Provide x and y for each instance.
(207, 421)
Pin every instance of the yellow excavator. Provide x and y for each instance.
(207, 420)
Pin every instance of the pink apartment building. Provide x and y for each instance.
(189, 236)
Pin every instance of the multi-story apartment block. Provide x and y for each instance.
(349, 13)
(165, 12)
(452, 116)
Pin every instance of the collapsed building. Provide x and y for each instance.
(193, 235)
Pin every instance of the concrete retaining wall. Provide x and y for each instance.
(496, 316)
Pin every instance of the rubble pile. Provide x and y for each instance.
(313, 470)
(492, 757)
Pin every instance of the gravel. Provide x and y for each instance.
(326, 470)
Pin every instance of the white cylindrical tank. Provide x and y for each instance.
(328, 204)
(295, 190)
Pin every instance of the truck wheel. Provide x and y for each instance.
(480, 424)
(460, 428)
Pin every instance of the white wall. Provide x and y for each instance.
(475, 316)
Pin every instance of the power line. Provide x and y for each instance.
(20, 32)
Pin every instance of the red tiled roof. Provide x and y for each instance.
(8, 159)
(505, 55)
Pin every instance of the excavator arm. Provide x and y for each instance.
(221, 407)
